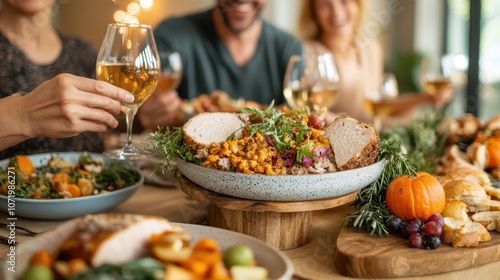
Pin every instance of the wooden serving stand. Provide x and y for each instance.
(283, 225)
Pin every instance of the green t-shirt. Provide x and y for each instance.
(208, 64)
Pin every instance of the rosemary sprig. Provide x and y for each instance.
(422, 139)
(169, 144)
(371, 212)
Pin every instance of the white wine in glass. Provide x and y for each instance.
(379, 103)
(171, 74)
(311, 82)
(435, 76)
(128, 59)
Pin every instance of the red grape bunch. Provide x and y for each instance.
(419, 234)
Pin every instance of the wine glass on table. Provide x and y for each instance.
(311, 82)
(379, 102)
(435, 75)
(171, 71)
(128, 59)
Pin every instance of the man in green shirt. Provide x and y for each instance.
(229, 48)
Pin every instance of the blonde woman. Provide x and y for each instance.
(336, 26)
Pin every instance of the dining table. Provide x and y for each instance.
(315, 260)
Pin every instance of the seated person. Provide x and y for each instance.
(335, 26)
(32, 52)
(228, 48)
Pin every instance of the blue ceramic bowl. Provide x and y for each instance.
(66, 208)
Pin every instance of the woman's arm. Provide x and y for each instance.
(62, 107)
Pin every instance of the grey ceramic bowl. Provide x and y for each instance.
(66, 208)
(282, 187)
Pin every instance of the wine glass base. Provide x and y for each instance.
(127, 153)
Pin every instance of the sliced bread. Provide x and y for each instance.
(471, 193)
(490, 219)
(455, 209)
(493, 205)
(464, 234)
(355, 144)
(206, 128)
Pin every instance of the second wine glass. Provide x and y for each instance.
(128, 59)
(379, 103)
(311, 82)
(435, 75)
(171, 73)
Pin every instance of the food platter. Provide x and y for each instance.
(278, 264)
(282, 187)
(66, 208)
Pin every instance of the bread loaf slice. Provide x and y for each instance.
(113, 238)
(464, 234)
(456, 209)
(206, 128)
(489, 219)
(471, 193)
(355, 144)
(493, 205)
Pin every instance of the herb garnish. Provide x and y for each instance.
(372, 213)
(287, 130)
(169, 144)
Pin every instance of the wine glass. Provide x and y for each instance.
(311, 82)
(171, 74)
(128, 58)
(435, 75)
(379, 102)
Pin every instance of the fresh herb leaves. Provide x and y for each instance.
(371, 212)
(169, 144)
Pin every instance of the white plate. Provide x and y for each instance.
(67, 208)
(282, 187)
(278, 264)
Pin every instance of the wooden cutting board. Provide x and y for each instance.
(361, 256)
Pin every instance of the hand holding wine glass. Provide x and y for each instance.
(379, 103)
(311, 82)
(128, 58)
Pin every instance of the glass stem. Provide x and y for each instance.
(377, 123)
(129, 118)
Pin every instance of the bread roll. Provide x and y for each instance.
(455, 209)
(469, 192)
(355, 144)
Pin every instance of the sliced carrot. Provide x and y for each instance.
(198, 267)
(74, 190)
(24, 164)
(206, 244)
(42, 257)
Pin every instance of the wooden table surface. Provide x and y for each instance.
(312, 261)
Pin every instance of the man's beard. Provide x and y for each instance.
(222, 10)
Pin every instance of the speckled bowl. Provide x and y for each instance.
(282, 187)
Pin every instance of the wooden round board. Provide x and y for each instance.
(283, 225)
(362, 256)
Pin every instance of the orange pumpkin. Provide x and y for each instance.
(492, 144)
(415, 197)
